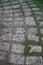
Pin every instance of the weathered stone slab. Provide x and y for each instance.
(30, 21)
(41, 31)
(18, 14)
(7, 30)
(17, 19)
(8, 19)
(17, 48)
(35, 49)
(16, 59)
(33, 37)
(7, 37)
(15, 6)
(34, 60)
(20, 30)
(4, 46)
(2, 55)
(40, 23)
(7, 23)
(27, 13)
(18, 38)
(32, 31)
(20, 23)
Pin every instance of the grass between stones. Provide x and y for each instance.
(2, 26)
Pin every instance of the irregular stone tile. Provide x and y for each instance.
(35, 49)
(18, 19)
(32, 31)
(18, 38)
(33, 5)
(8, 19)
(17, 48)
(33, 37)
(20, 30)
(16, 11)
(27, 13)
(27, 10)
(41, 31)
(33, 60)
(18, 14)
(4, 46)
(40, 23)
(7, 37)
(35, 9)
(30, 21)
(14, 2)
(42, 38)
(7, 30)
(15, 6)
(7, 23)
(20, 23)
(7, 7)
(2, 55)
(16, 59)
(24, 6)
(7, 3)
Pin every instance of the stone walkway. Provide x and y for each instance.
(20, 17)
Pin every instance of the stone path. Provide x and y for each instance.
(21, 17)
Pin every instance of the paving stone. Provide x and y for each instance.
(16, 10)
(2, 55)
(27, 10)
(30, 21)
(33, 37)
(40, 23)
(7, 23)
(20, 30)
(35, 9)
(33, 5)
(15, 6)
(20, 23)
(18, 19)
(27, 13)
(7, 7)
(35, 49)
(7, 37)
(7, 30)
(17, 48)
(8, 19)
(41, 31)
(16, 59)
(18, 14)
(4, 46)
(33, 60)
(42, 38)
(32, 31)
(18, 38)
(14, 2)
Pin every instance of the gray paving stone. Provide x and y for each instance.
(2, 55)
(17, 48)
(18, 38)
(7, 37)
(33, 60)
(30, 21)
(4, 46)
(16, 59)
(32, 31)
(35, 49)
(18, 23)
(41, 31)
(27, 13)
(7, 23)
(33, 37)
(20, 30)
